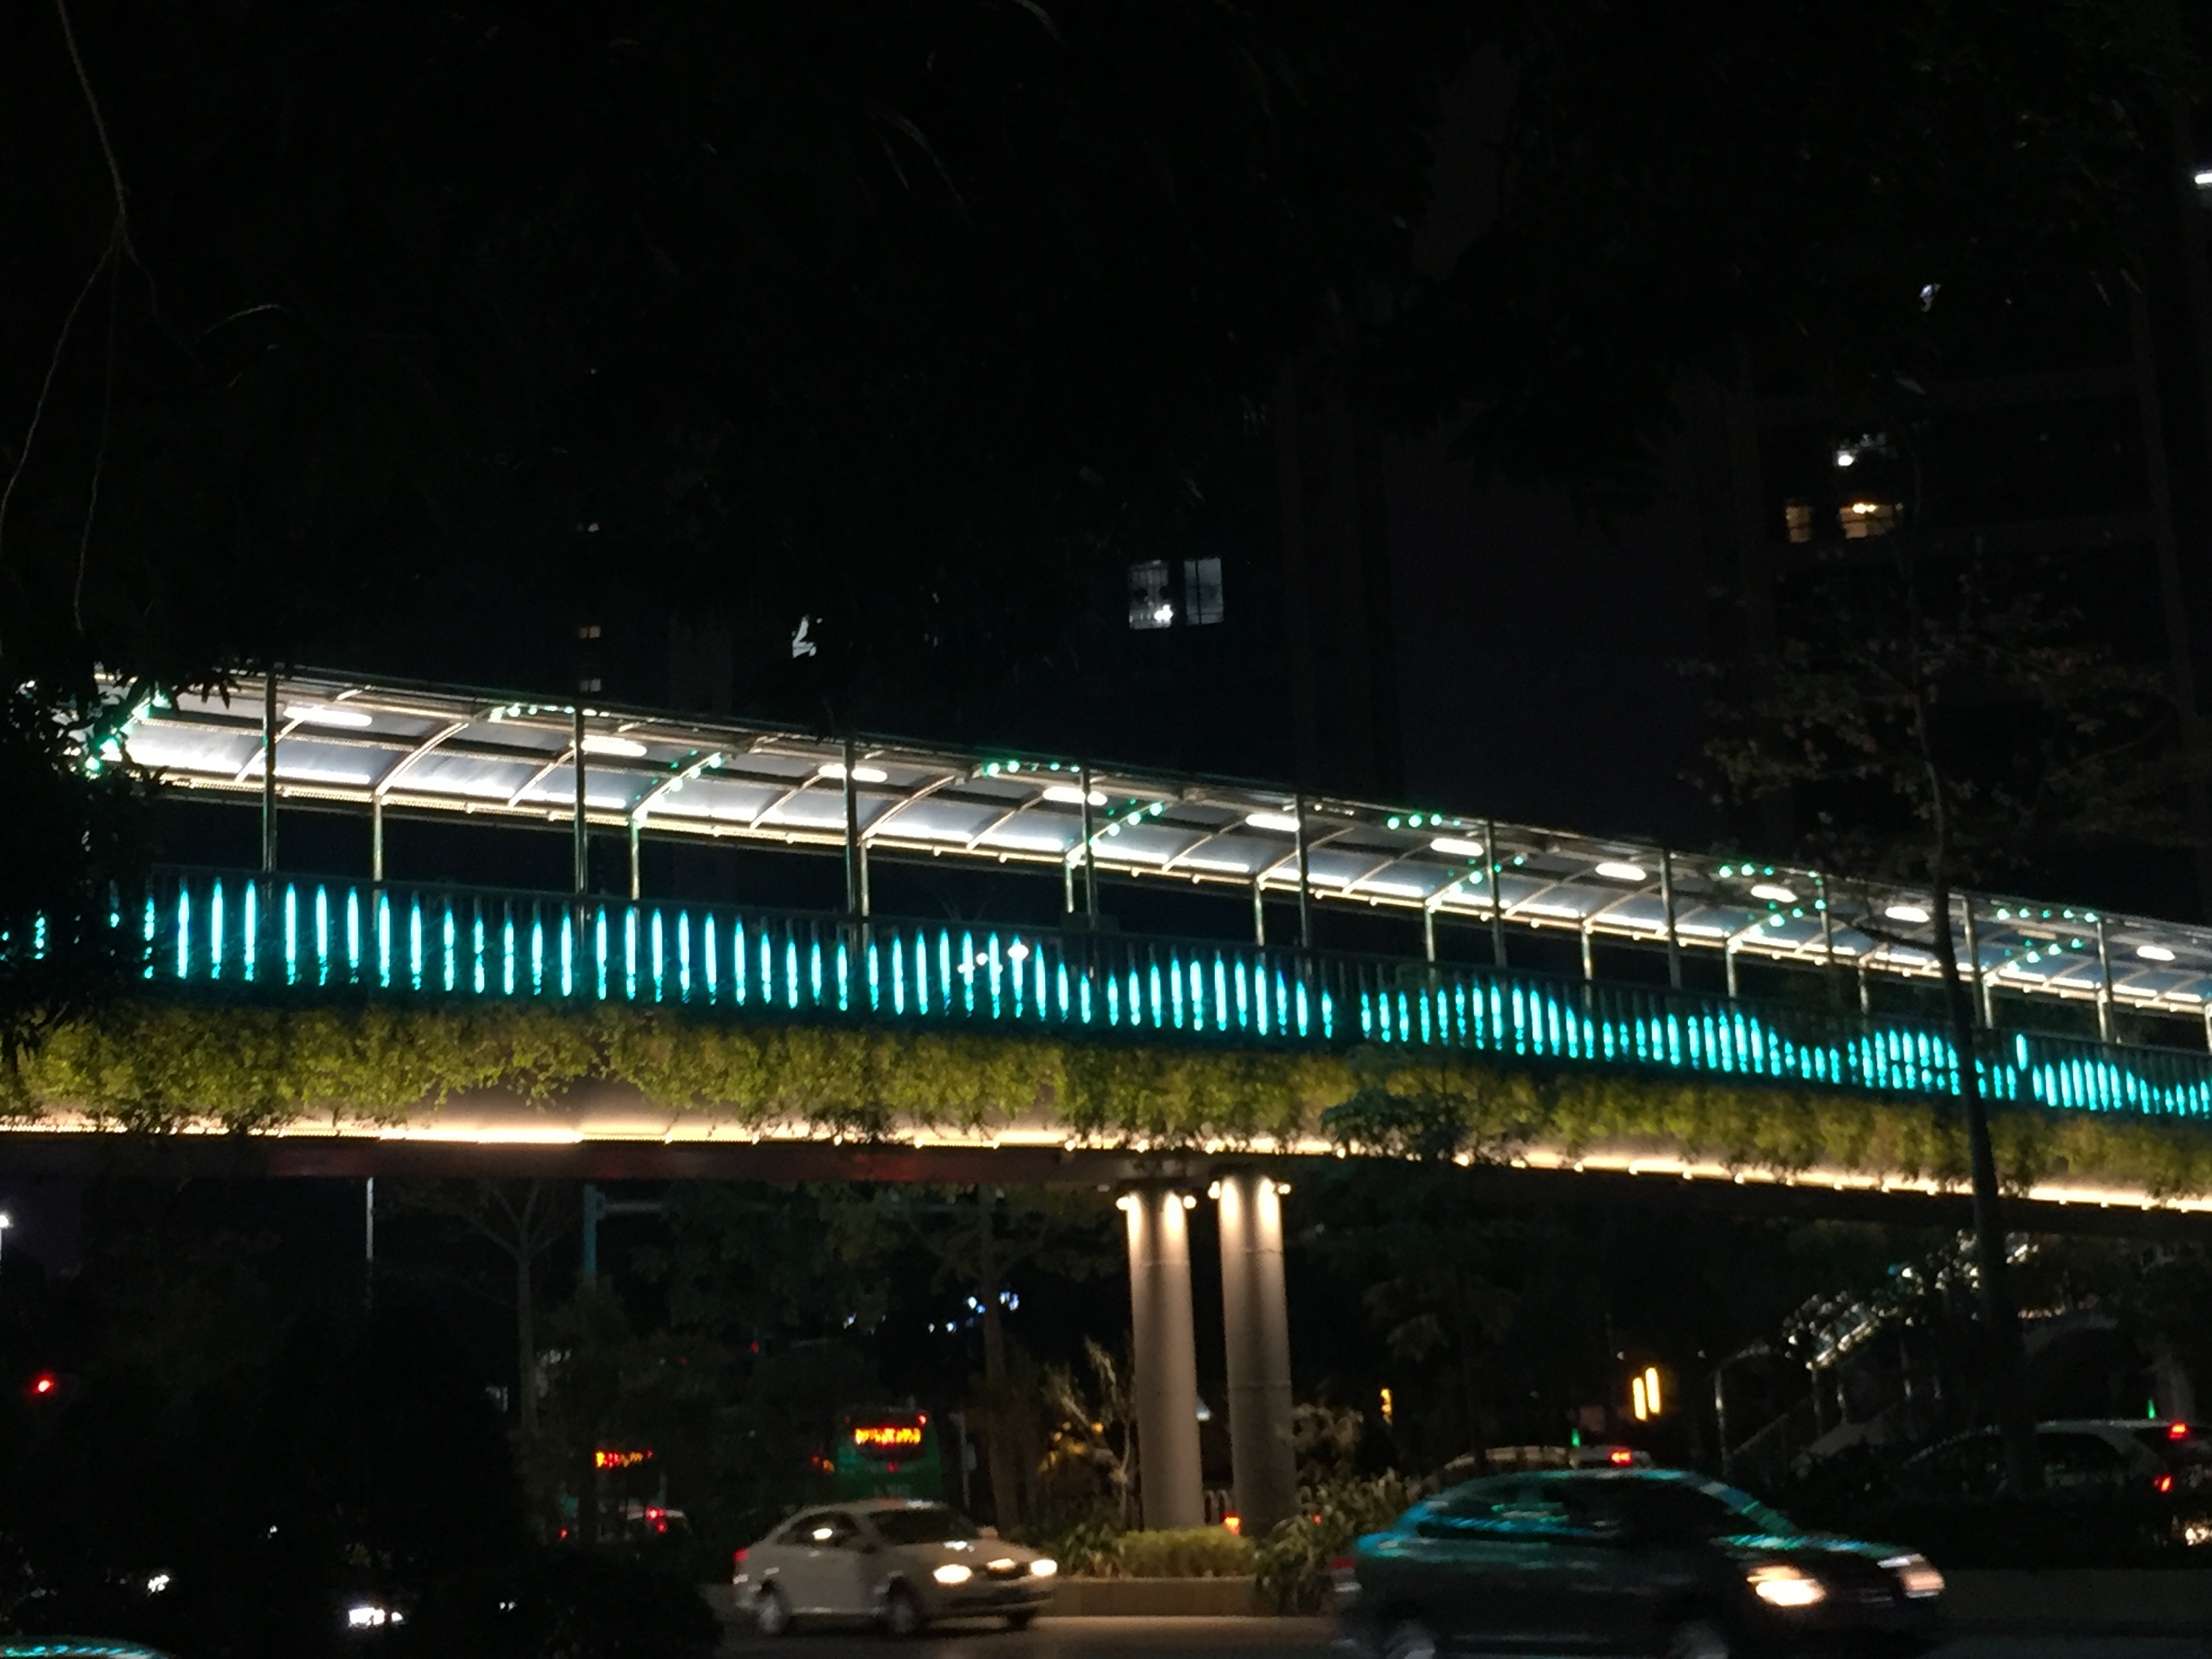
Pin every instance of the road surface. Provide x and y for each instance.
(1299, 1638)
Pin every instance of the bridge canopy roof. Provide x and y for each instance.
(448, 752)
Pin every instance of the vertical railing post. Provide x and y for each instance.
(1828, 940)
(2104, 983)
(637, 860)
(1674, 934)
(1259, 910)
(580, 849)
(1496, 894)
(1305, 881)
(581, 858)
(1089, 853)
(1982, 1010)
(269, 774)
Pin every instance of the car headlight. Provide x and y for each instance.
(952, 1573)
(1915, 1576)
(1780, 1586)
(1044, 1567)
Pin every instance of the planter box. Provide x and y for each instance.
(2101, 1599)
(1157, 1598)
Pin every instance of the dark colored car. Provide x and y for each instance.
(2083, 1457)
(1622, 1561)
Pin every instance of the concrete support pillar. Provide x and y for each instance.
(1256, 1329)
(1168, 1480)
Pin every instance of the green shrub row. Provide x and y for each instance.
(158, 1067)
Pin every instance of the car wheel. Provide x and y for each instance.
(771, 1612)
(1411, 1639)
(1698, 1638)
(902, 1612)
(1019, 1620)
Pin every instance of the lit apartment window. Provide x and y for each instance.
(588, 631)
(1202, 592)
(590, 683)
(1797, 518)
(1860, 519)
(1149, 604)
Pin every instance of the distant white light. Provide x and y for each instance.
(1071, 794)
(157, 1584)
(1615, 870)
(1775, 892)
(836, 771)
(370, 1617)
(1285, 822)
(1912, 913)
(1457, 847)
(1846, 457)
(2204, 179)
(2153, 953)
(628, 748)
(310, 714)
(1018, 952)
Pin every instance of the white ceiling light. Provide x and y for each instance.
(627, 748)
(1458, 847)
(835, 769)
(315, 714)
(1285, 822)
(1071, 794)
(1912, 913)
(2153, 953)
(1774, 891)
(1615, 870)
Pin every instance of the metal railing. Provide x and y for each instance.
(310, 935)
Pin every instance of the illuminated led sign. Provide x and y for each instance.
(887, 1436)
(607, 1457)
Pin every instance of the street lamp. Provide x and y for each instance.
(6, 1222)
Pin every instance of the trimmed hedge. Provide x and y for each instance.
(159, 1067)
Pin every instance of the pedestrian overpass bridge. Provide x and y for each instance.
(346, 1019)
(333, 1024)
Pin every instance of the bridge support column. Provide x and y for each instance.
(1257, 1329)
(1168, 1479)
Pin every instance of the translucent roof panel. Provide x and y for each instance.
(438, 750)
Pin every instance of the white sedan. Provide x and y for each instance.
(899, 1562)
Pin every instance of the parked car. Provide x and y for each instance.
(1624, 1561)
(2105, 1458)
(900, 1563)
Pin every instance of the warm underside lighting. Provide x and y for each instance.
(1615, 870)
(834, 771)
(627, 748)
(1071, 794)
(2153, 953)
(1910, 912)
(1287, 822)
(1774, 893)
(1457, 847)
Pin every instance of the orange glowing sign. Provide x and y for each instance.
(887, 1436)
(606, 1458)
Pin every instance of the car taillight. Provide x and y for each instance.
(737, 1558)
(1620, 1457)
(2177, 1431)
(2164, 1483)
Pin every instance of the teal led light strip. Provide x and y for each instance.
(209, 930)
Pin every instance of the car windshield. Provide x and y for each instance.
(924, 1524)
